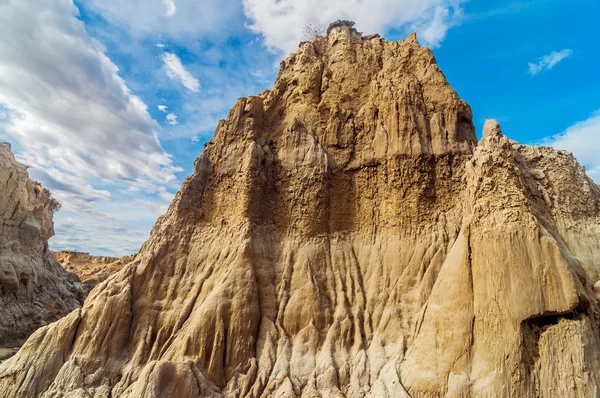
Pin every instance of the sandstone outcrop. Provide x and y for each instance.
(91, 270)
(344, 235)
(34, 289)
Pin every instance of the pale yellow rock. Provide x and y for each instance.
(343, 235)
(91, 270)
(491, 128)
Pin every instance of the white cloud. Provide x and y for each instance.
(195, 139)
(433, 30)
(186, 19)
(549, 61)
(73, 110)
(583, 140)
(170, 7)
(117, 234)
(282, 22)
(162, 108)
(159, 45)
(172, 119)
(74, 119)
(176, 70)
(107, 237)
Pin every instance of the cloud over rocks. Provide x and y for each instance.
(282, 23)
(70, 115)
(583, 140)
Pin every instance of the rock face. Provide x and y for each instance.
(91, 270)
(345, 235)
(34, 289)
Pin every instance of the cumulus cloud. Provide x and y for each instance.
(583, 140)
(282, 23)
(68, 104)
(73, 118)
(162, 108)
(548, 62)
(172, 119)
(176, 71)
(170, 7)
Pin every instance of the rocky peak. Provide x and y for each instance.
(393, 93)
(343, 236)
(24, 202)
(343, 25)
(491, 128)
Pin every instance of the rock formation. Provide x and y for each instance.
(34, 289)
(91, 270)
(344, 235)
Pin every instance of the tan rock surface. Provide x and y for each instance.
(91, 270)
(34, 289)
(345, 235)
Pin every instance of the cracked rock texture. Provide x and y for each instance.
(34, 289)
(344, 235)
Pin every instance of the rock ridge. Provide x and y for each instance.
(91, 270)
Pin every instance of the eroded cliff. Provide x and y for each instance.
(34, 289)
(344, 234)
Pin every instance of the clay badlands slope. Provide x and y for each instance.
(346, 235)
(91, 270)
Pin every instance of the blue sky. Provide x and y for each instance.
(110, 101)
